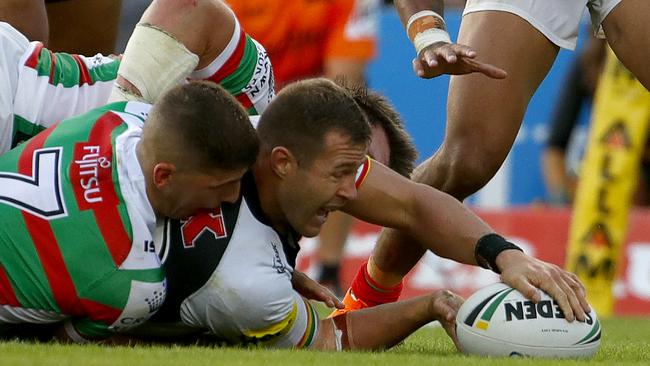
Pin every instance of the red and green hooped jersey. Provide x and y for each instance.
(244, 69)
(76, 231)
(53, 86)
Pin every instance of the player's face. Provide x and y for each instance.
(326, 185)
(192, 191)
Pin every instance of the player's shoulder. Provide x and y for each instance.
(142, 293)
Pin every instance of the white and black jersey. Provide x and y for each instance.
(229, 273)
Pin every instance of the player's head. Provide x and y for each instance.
(313, 137)
(390, 144)
(197, 143)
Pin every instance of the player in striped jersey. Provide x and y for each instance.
(45, 87)
(79, 203)
(231, 271)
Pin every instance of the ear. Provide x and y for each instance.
(283, 162)
(162, 174)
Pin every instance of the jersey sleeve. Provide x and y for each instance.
(244, 69)
(354, 30)
(55, 86)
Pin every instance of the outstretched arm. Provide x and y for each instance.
(445, 226)
(386, 325)
(436, 54)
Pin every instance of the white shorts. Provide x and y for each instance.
(12, 47)
(558, 20)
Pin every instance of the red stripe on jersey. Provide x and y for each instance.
(100, 312)
(84, 75)
(52, 66)
(7, 294)
(244, 100)
(32, 61)
(233, 62)
(91, 175)
(45, 242)
(362, 172)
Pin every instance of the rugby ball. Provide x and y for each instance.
(499, 321)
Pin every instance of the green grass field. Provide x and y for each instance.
(626, 341)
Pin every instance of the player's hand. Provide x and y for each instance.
(444, 307)
(453, 59)
(313, 290)
(527, 275)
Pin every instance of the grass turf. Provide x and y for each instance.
(625, 341)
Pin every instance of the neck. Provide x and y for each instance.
(267, 189)
(143, 161)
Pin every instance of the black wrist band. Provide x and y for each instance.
(488, 248)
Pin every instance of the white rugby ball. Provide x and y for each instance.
(499, 321)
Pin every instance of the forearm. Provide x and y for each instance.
(375, 328)
(445, 226)
(406, 8)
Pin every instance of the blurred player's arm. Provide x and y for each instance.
(436, 53)
(445, 226)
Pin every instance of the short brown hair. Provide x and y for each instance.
(204, 123)
(305, 111)
(381, 113)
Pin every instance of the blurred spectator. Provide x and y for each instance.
(560, 175)
(578, 90)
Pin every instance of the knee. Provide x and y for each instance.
(466, 170)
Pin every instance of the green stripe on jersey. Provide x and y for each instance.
(25, 127)
(44, 64)
(235, 82)
(85, 258)
(32, 290)
(66, 69)
(252, 111)
(114, 289)
(104, 72)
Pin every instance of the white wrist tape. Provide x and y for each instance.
(153, 62)
(428, 37)
(422, 14)
(425, 28)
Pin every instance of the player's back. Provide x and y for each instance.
(76, 228)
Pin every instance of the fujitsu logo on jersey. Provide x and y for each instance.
(90, 171)
(89, 167)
